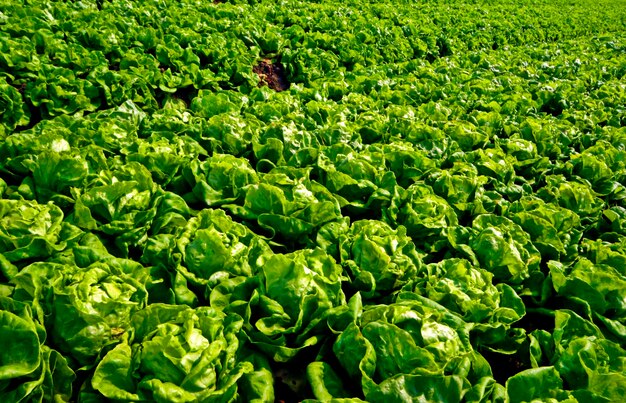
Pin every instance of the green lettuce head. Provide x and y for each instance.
(426, 216)
(410, 348)
(220, 179)
(504, 248)
(85, 308)
(180, 354)
(285, 305)
(13, 109)
(379, 259)
(214, 248)
(574, 360)
(29, 230)
(469, 291)
(119, 203)
(29, 369)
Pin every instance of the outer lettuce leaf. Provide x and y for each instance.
(326, 384)
(24, 336)
(596, 365)
(52, 381)
(613, 221)
(410, 388)
(543, 384)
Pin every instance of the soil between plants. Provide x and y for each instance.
(272, 74)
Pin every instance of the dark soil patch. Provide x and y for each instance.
(186, 94)
(504, 366)
(536, 320)
(290, 384)
(35, 116)
(272, 74)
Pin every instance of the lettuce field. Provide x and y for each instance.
(257, 201)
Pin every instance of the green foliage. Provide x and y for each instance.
(432, 207)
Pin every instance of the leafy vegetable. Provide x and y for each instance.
(176, 354)
(30, 369)
(379, 259)
(285, 304)
(309, 201)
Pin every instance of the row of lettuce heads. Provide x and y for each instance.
(434, 210)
